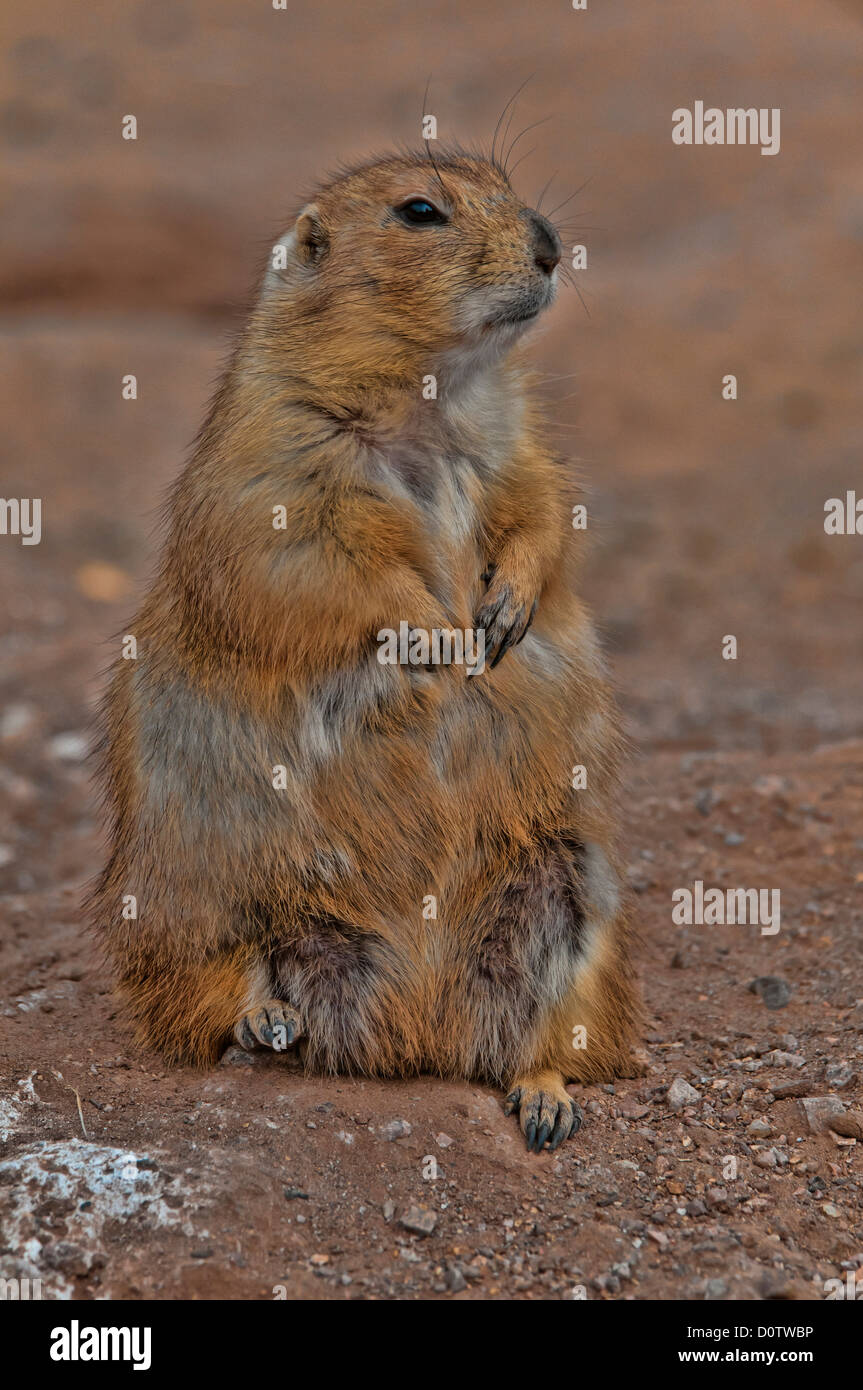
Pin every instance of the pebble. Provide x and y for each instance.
(631, 1110)
(395, 1129)
(237, 1057)
(68, 1258)
(849, 1125)
(760, 1128)
(681, 1094)
(820, 1111)
(775, 992)
(783, 1089)
(839, 1075)
(785, 1059)
(419, 1219)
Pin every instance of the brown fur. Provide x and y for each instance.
(256, 648)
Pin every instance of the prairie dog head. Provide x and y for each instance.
(405, 262)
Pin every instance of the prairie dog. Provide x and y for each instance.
(382, 865)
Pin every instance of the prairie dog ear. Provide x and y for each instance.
(305, 245)
(311, 239)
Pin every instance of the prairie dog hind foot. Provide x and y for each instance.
(547, 1113)
(273, 1024)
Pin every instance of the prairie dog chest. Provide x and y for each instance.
(449, 457)
(445, 484)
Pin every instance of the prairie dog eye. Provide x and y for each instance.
(419, 212)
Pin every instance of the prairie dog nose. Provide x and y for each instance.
(547, 248)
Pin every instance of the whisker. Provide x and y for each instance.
(513, 98)
(520, 160)
(570, 198)
(545, 190)
(533, 126)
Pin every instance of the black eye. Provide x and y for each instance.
(419, 212)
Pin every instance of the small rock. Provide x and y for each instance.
(237, 1057)
(839, 1075)
(850, 1125)
(733, 839)
(293, 1194)
(420, 1220)
(443, 1141)
(631, 1110)
(607, 1283)
(784, 1089)
(455, 1280)
(760, 1128)
(389, 1210)
(821, 1112)
(70, 1259)
(395, 1129)
(829, 1210)
(774, 991)
(681, 1094)
(784, 1059)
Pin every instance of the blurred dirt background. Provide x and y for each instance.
(119, 1178)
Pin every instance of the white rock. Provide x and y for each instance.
(681, 1094)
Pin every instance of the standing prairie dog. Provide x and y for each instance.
(384, 865)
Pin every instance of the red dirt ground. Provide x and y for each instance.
(121, 1178)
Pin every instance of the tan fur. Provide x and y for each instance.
(256, 648)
